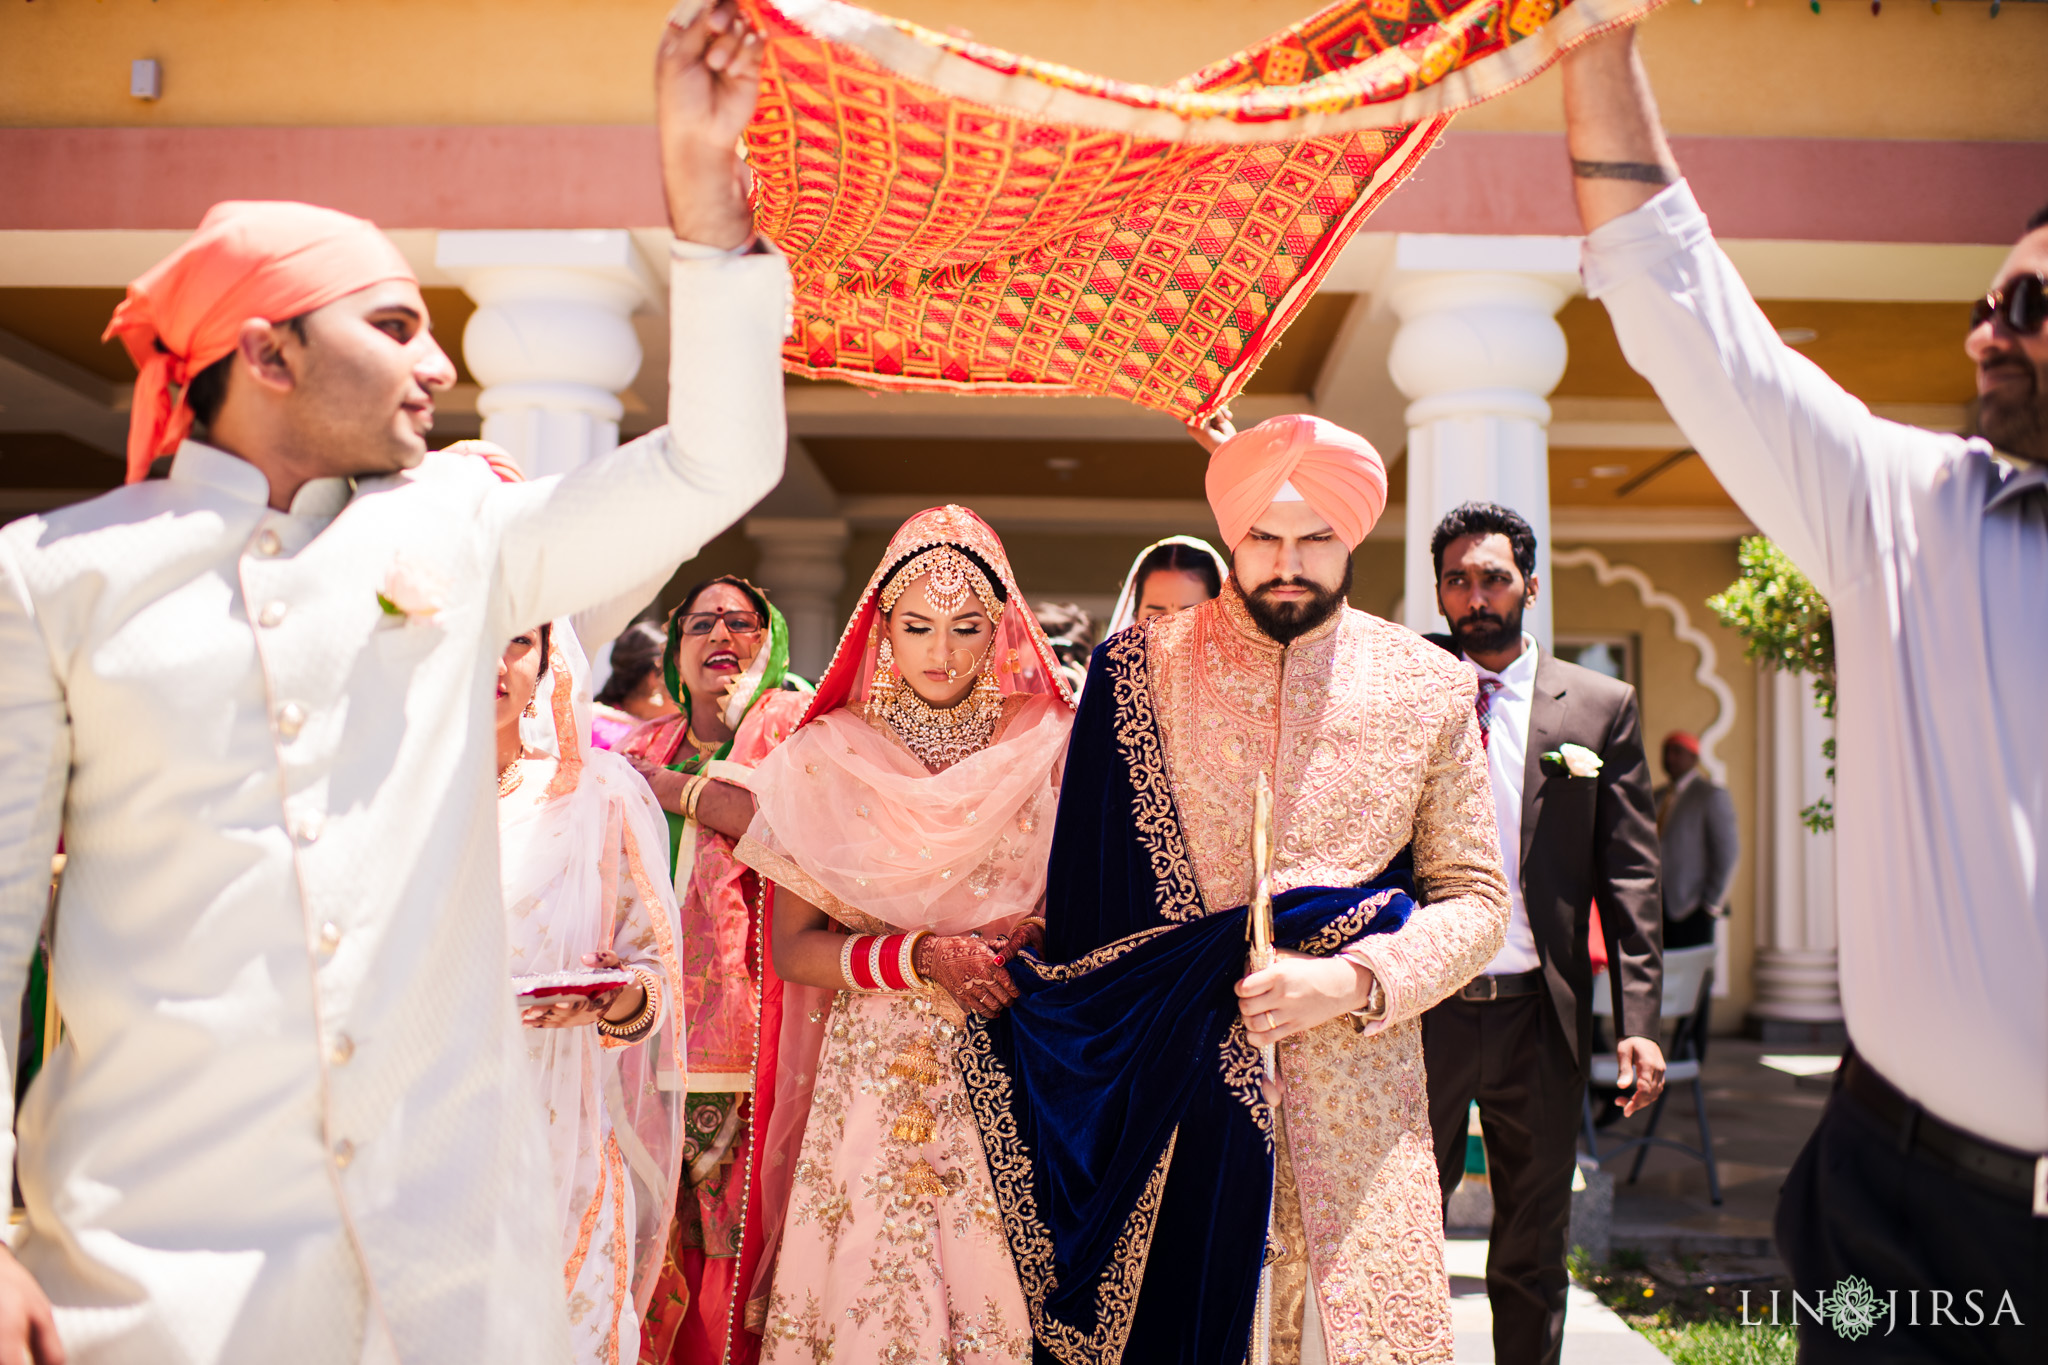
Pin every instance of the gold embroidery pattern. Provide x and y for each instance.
(872, 1267)
(1243, 1069)
(1346, 926)
(615, 1162)
(1107, 953)
(1152, 806)
(989, 1094)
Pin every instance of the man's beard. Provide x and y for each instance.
(2017, 426)
(1289, 621)
(1481, 632)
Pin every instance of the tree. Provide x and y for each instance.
(1785, 621)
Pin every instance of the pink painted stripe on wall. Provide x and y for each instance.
(606, 176)
(1798, 189)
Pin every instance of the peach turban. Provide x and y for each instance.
(248, 259)
(1336, 472)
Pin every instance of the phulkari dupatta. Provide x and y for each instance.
(960, 219)
(1118, 1099)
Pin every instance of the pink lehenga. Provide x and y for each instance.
(891, 1247)
(584, 864)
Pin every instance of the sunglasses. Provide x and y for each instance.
(2021, 304)
(736, 622)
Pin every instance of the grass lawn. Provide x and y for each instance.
(1699, 1326)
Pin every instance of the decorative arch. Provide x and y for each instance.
(1707, 674)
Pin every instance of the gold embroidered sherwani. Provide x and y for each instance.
(1369, 733)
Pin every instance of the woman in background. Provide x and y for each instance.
(581, 846)
(635, 692)
(1169, 575)
(724, 659)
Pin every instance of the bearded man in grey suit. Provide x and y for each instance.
(1696, 831)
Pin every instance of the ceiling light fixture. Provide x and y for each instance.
(1797, 336)
(1609, 471)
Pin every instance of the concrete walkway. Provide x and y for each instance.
(1593, 1335)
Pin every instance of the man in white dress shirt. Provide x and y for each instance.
(287, 1121)
(1927, 1179)
(1571, 795)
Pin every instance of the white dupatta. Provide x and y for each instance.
(584, 870)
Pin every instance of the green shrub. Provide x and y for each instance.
(1784, 621)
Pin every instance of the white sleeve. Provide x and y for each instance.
(623, 522)
(35, 762)
(1808, 463)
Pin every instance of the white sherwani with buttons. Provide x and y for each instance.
(290, 1120)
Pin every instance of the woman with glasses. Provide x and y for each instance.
(724, 663)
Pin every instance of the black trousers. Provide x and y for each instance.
(1511, 1056)
(1694, 931)
(1855, 1204)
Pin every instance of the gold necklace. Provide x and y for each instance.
(939, 739)
(509, 778)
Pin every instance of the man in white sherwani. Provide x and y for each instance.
(288, 1121)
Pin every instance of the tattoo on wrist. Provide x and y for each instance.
(1643, 172)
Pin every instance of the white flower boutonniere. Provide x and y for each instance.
(413, 590)
(1572, 760)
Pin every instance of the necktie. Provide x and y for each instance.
(1483, 704)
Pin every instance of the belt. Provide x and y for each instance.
(2004, 1170)
(1506, 986)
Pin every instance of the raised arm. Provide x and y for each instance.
(1797, 453)
(624, 521)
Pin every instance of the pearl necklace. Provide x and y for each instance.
(509, 778)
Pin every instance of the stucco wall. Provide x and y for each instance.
(1773, 69)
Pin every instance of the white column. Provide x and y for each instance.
(1478, 350)
(1796, 978)
(803, 567)
(552, 339)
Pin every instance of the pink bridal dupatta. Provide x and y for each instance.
(852, 823)
(961, 219)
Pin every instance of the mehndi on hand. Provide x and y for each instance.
(966, 967)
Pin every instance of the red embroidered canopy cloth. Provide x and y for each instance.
(959, 219)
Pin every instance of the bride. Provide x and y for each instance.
(904, 832)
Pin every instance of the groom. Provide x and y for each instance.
(1143, 1172)
(287, 1120)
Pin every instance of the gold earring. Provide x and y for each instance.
(885, 668)
(531, 703)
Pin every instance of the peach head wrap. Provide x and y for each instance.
(249, 259)
(1336, 472)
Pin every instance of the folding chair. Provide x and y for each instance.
(1688, 992)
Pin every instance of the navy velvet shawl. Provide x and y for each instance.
(1118, 1099)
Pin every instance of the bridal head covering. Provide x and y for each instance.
(1297, 459)
(249, 259)
(1127, 601)
(560, 861)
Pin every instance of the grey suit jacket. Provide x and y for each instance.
(1699, 845)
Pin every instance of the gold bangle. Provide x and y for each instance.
(638, 1022)
(693, 792)
(846, 960)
